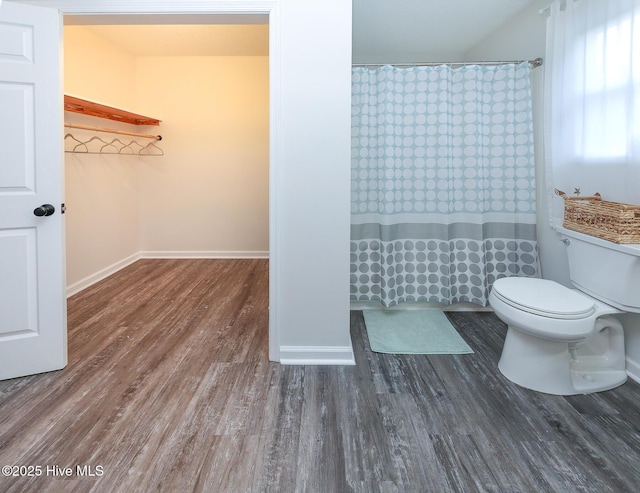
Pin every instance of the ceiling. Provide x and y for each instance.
(188, 40)
(396, 31)
(383, 30)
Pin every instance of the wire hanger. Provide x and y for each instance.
(79, 143)
(151, 149)
(115, 146)
(111, 145)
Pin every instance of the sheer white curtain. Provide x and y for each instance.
(592, 99)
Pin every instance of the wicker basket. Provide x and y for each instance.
(612, 221)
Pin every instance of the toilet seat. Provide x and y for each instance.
(544, 298)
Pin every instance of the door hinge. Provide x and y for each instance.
(63, 208)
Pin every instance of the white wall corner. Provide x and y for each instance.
(317, 355)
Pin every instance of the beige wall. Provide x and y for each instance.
(95, 68)
(208, 194)
(102, 218)
(210, 190)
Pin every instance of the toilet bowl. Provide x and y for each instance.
(559, 340)
(567, 341)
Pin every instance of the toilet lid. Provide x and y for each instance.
(543, 297)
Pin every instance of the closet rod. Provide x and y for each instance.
(112, 131)
(534, 63)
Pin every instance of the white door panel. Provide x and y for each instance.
(32, 291)
(17, 265)
(16, 138)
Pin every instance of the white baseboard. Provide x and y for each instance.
(204, 254)
(633, 369)
(316, 355)
(78, 286)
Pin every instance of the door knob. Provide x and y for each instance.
(44, 210)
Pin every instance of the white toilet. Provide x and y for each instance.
(565, 341)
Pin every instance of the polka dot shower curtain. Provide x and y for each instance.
(443, 182)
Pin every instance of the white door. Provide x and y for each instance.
(33, 332)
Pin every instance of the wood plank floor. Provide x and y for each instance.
(168, 388)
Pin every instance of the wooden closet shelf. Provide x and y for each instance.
(84, 107)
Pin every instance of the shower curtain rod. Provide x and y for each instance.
(536, 62)
(112, 131)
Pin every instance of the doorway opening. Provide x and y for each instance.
(200, 193)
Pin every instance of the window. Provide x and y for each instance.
(608, 90)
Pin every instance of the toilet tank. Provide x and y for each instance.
(605, 270)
